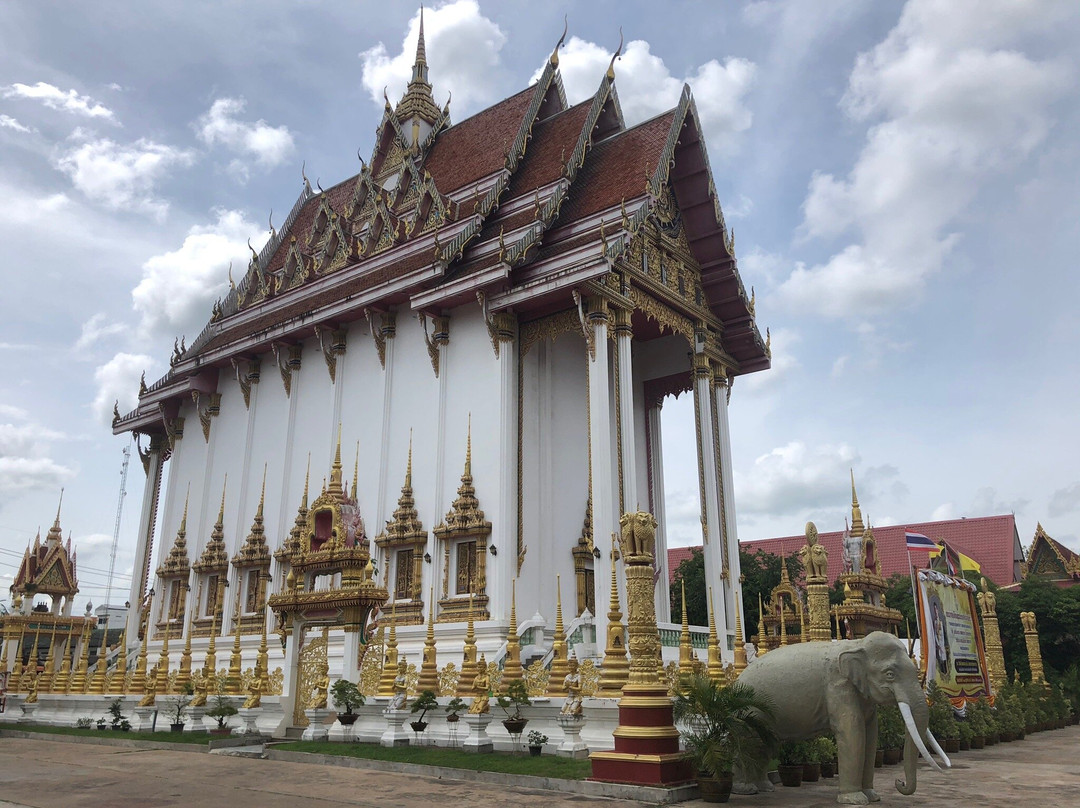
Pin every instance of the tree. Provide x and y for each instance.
(898, 596)
(691, 572)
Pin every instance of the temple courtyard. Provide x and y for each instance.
(43, 774)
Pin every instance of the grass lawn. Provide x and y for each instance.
(543, 766)
(167, 737)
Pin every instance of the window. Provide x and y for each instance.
(176, 601)
(466, 568)
(211, 596)
(251, 604)
(403, 577)
(590, 590)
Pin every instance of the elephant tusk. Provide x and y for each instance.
(913, 731)
(937, 748)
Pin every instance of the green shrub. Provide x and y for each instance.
(890, 727)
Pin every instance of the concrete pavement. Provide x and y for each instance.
(1040, 770)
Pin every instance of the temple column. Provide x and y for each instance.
(707, 480)
(501, 573)
(602, 485)
(291, 670)
(440, 342)
(624, 335)
(721, 388)
(147, 520)
(384, 334)
(656, 505)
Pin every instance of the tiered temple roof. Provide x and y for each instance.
(48, 568)
(1050, 559)
(524, 202)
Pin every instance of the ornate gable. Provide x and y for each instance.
(1050, 558)
(255, 552)
(215, 558)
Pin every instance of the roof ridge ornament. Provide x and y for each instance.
(617, 55)
(554, 60)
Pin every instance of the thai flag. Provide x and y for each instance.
(917, 541)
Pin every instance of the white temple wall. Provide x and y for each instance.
(555, 484)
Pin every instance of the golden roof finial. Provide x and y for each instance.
(559, 630)
(420, 64)
(221, 510)
(183, 519)
(307, 478)
(468, 447)
(618, 53)
(856, 511)
(56, 522)
(408, 467)
(335, 469)
(555, 53)
(262, 496)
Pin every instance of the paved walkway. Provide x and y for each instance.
(1041, 770)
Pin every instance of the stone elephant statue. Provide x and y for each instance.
(821, 686)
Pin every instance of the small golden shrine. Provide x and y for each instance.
(402, 543)
(863, 609)
(783, 615)
(331, 579)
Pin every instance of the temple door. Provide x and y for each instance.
(312, 658)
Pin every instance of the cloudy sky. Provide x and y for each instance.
(901, 178)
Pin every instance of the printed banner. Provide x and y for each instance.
(953, 654)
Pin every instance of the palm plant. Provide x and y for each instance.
(728, 726)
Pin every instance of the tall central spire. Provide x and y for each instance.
(417, 102)
(419, 71)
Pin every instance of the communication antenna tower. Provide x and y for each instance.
(116, 529)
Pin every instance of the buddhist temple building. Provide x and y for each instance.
(485, 320)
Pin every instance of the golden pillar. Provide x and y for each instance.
(559, 665)
(63, 676)
(686, 647)
(116, 686)
(762, 638)
(17, 669)
(815, 560)
(512, 671)
(47, 676)
(716, 663)
(995, 656)
(162, 683)
(429, 663)
(4, 638)
(78, 679)
(1031, 637)
(210, 661)
(615, 670)
(740, 643)
(646, 740)
(390, 659)
(236, 663)
(469, 667)
(97, 681)
(262, 658)
(183, 675)
(138, 679)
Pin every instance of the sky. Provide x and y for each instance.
(901, 178)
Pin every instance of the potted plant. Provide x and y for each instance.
(537, 740)
(455, 706)
(221, 712)
(891, 734)
(792, 755)
(346, 696)
(177, 709)
(725, 727)
(102, 724)
(115, 710)
(826, 754)
(421, 704)
(511, 701)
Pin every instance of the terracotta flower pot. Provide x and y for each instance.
(791, 776)
(952, 744)
(965, 745)
(515, 725)
(535, 750)
(879, 759)
(715, 789)
(176, 727)
(347, 719)
(978, 742)
(811, 772)
(827, 769)
(891, 757)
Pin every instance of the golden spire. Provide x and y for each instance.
(335, 470)
(116, 686)
(236, 661)
(138, 680)
(55, 533)
(417, 101)
(163, 664)
(469, 667)
(686, 649)
(783, 623)
(390, 660)
(740, 642)
(429, 667)
(420, 63)
(762, 645)
(715, 664)
(262, 660)
(512, 670)
(856, 511)
(183, 519)
(559, 667)
(355, 473)
(210, 663)
(616, 668)
(183, 676)
(408, 467)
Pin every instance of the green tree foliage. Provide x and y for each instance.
(691, 572)
(898, 596)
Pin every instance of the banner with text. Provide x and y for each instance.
(953, 654)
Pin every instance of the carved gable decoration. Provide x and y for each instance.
(214, 558)
(176, 564)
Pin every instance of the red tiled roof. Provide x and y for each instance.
(676, 556)
(990, 540)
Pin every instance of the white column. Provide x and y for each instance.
(291, 670)
(441, 338)
(602, 483)
(623, 337)
(140, 583)
(707, 471)
(387, 330)
(721, 388)
(503, 568)
(656, 468)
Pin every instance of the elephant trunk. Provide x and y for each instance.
(916, 721)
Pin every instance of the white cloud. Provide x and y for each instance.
(55, 98)
(178, 288)
(1064, 500)
(268, 145)
(784, 362)
(949, 104)
(988, 503)
(462, 53)
(122, 177)
(796, 477)
(647, 87)
(943, 512)
(24, 464)
(118, 380)
(96, 328)
(7, 122)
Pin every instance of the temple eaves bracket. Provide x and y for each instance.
(586, 329)
(286, 365)
(489, 321)
(213, 408)
(246, 375)
(332, 343)
(440, 337)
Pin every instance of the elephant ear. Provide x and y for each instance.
(853, 668)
